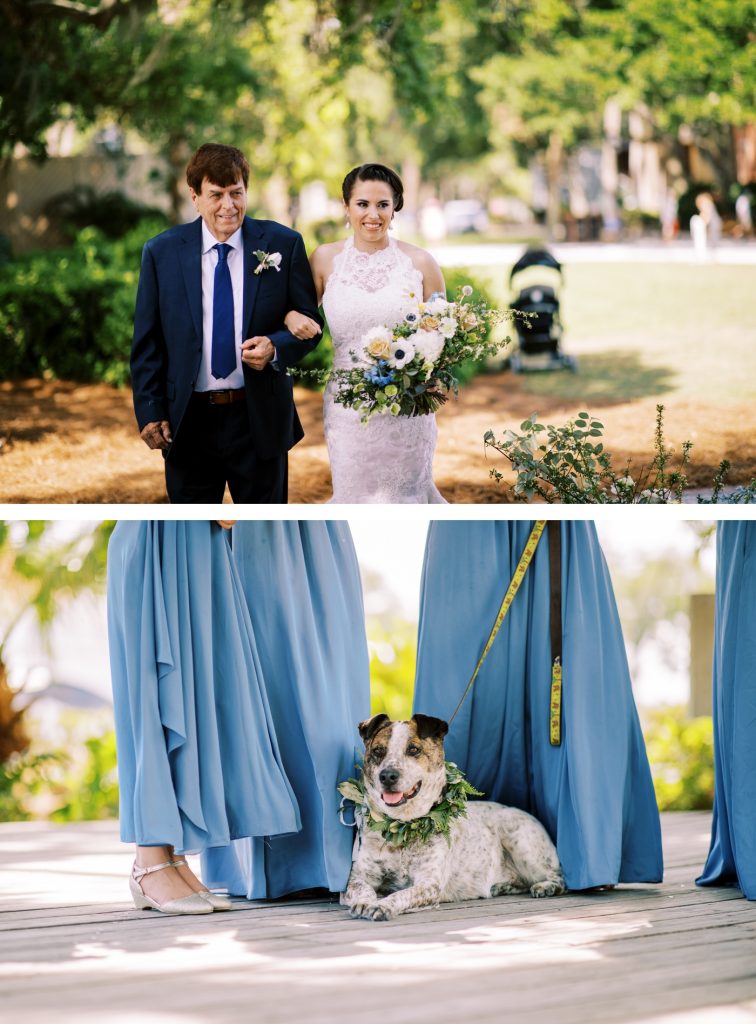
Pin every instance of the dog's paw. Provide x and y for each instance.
(371, 912)
(508, 889)
(548, 887)
(380, 912)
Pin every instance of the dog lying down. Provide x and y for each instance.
(490, 850)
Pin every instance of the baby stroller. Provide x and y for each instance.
(535, 281)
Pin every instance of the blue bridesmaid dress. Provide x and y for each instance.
(303, 590)
(198, 761)
(593, 792)
(732, 855)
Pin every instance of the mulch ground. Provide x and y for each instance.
(67, 442)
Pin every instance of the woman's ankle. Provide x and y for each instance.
(149, 856)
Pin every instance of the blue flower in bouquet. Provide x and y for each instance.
(381, 374)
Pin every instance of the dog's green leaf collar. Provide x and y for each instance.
(436, 822)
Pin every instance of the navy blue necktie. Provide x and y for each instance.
(223, 361)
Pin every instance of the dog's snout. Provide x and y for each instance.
(389, 777)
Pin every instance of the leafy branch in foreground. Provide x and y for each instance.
(570, 464)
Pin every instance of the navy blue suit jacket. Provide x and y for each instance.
(167, 345)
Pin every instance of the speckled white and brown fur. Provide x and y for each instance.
(494, 850)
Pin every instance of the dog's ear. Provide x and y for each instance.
(370, 726)
(429, 727)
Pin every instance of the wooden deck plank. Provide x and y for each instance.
(269, 920)
(71, 946)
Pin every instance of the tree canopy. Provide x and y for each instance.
(309, 86)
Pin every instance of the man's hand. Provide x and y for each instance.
(157, 435)
(257, 352)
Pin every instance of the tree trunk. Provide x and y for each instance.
(554, 157)
(178, 157)
(7, 215)
(13, 737)
(610, 213)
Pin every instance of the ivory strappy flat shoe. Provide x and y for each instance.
(192, 904)
(216, 900)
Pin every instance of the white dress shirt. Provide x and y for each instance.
(205, 379)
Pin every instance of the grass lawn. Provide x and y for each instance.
(653, 330)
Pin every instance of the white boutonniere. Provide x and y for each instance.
(268, 261)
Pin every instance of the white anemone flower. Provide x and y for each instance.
(402, 352)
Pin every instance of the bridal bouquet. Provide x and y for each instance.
(408, 369)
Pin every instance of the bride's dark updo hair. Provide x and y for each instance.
(374, 172)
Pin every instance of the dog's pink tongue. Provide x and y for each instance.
(392, 798)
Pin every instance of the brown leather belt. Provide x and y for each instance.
(221, 397)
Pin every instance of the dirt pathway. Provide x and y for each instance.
(63, 442)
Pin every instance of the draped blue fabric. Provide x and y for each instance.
(302, 585)
(594, 792)
(732, 855)
(198, 760)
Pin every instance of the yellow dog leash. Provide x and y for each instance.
(555, 703)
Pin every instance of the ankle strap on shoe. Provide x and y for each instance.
(139, 872)
(179, 862)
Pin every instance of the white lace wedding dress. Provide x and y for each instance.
(389, 459)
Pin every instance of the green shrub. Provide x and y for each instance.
(455, 278)
(681, 753)
(22, 777)
(112, 213)
(69, 314)
(91, 790)
(569, 464)
(78, 782)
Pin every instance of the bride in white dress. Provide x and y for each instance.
(363, 282)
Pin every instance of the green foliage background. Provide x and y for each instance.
(41, 568)
(69, 314)
(681, 753)
(302, 84)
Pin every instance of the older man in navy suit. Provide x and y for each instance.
(211, 349)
